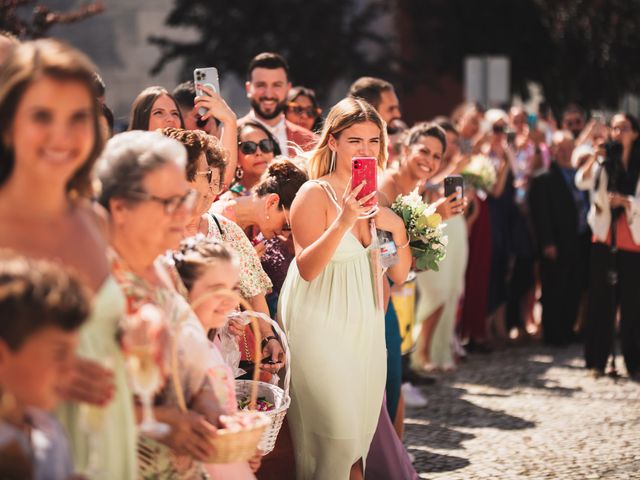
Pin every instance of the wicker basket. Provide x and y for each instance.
(238, 445)
(274, 394)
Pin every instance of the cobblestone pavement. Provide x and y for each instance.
(527, 413)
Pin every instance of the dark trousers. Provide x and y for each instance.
(604, 302)
(522, 281)
(563, 283)
(560, 299)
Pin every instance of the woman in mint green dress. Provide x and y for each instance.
(328, 302)
(50, 139)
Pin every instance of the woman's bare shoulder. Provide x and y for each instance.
(311, 190)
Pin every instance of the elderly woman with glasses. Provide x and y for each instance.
(144, 188)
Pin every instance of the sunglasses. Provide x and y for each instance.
(300, 110)
(573, 123)
(171, 204)
(249, 147)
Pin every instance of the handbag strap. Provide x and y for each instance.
(211, 216)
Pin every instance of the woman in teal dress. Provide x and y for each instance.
(328, 302)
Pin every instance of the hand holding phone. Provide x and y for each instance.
(352, 209)
(454, 184)
(364, 170)
(207, 77)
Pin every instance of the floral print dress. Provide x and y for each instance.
(199, 365)
(253, 279)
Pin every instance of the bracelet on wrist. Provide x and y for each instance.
(404, 245)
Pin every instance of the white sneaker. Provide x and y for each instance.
(413, 397)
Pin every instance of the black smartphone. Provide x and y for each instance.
(453, 184)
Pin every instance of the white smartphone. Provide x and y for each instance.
(209, 78)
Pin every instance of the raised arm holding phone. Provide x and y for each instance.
(211, 107)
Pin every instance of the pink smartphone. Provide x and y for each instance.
(365, 169)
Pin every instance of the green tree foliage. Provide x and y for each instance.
(578, 50)
(323, 40)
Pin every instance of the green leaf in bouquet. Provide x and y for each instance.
(406, 215)
(422, 262)
(418, 250)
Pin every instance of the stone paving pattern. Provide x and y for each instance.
(528, 412)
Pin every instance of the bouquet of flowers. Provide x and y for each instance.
(425, 230)
(480, 173)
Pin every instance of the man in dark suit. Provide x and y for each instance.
(267, 88)
(559, 216)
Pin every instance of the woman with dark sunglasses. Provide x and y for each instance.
(303, 109)
(257, 148)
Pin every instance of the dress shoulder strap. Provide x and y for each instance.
(331, 193)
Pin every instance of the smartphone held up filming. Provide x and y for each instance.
(207, 77)
(364, 169)
(454, 184)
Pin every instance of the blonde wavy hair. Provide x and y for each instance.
(344, 114)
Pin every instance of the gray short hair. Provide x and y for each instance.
(128, 157)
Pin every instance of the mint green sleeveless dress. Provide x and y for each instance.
(107, 450)
(338, 361)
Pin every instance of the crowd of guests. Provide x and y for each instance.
(126, 257)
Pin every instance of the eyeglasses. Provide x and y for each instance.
(622, 129)
(287, 225)
(266, 146)
(215, 185)
(310, 112)
(171, 204)
(208, 174)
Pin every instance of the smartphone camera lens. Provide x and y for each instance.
(356, 165)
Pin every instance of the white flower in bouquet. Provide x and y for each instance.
(480, 173)
(424, 228)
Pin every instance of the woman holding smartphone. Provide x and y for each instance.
(328, 305)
